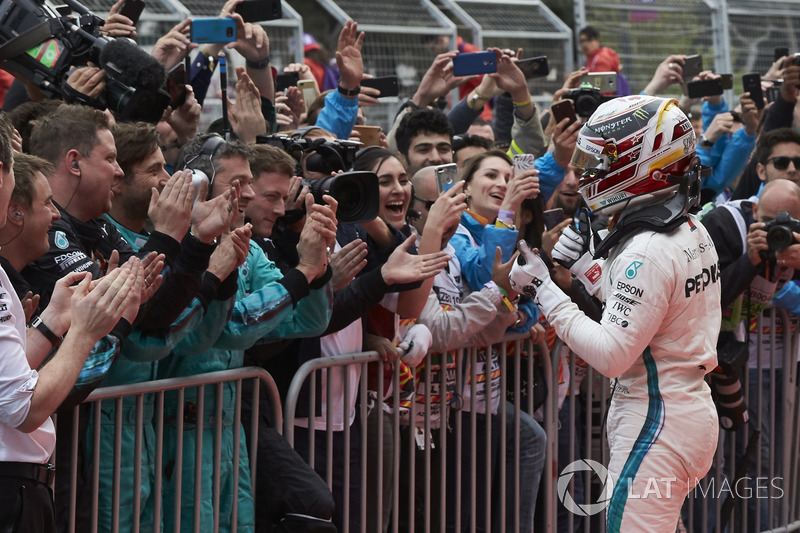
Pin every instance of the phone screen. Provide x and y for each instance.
(446, 176)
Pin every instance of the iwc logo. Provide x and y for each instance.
(586, 509)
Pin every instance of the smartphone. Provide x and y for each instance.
(369, 135)
(212, 30)
(752, 83)
(474, 63)
(727, 81)
(387, 85)
(309, 91)
(773, 93)
(523, 162)
(534, 67)
(176, 85)
(563, 109)
(780, 51)
(260, 10)
(446, 176)
(132, 9)
(701, 88)
(605, 81)
(553, 217)
(692, 66)
(285, 80)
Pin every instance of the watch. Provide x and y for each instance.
(476, 101)
(48, 334)
(704, 142)
(349, 92)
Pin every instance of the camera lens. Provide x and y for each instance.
(779, 238)
(356, 192)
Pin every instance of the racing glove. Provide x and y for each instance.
(530, 276)
(574, 250)
(416, 343)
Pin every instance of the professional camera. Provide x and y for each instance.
(725, 383)
(586, 99)
(779, 232)
(358, 193)
(40, 45)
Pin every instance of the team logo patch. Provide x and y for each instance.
(632, 269)
(61, 240)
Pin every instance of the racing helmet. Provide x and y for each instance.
(631, 149)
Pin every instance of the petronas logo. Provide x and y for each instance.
(61, 240)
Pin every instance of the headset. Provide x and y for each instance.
(209, 148)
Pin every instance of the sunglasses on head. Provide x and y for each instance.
(782, 162)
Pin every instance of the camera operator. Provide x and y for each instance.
(753, 278)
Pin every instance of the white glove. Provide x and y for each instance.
(415, 344)
(530, 276)
(575, 249)
(574, 241)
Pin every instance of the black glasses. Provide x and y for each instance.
(428, 203)
(782, 162)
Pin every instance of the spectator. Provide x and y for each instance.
(599, 58)
(77, 318)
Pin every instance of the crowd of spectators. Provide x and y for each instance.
(143, 251)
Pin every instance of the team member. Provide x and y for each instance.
(659, 327)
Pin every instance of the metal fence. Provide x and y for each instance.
(454, 465)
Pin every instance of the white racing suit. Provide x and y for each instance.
(657, 336)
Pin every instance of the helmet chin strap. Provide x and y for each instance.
(661, 217)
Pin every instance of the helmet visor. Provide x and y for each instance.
(587, 161)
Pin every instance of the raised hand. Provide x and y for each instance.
(446, 210)
(348, 55)
(30, 302)
(245, 115)
(117, 25)
(438, 80)
(348, 262)
(170, 49)
(500, 271)
(96, 311)
(212, 218)
(403, 267)
(520, 186)
(185, 119)
(231, 252)
(88, 80)
(170, 210)
(317, 235)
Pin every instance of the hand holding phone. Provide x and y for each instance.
(285, 80)
(176, 86)
(534, 67)
(553, 217)
(701, 88)
(751, 83)
(260, 10)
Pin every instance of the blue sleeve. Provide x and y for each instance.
(477, 262)
(550, 175)
(789, 297)
(461, 117)
(532, 316)
(711, 157)
(152, 345)
(734, 158)
(338, 116)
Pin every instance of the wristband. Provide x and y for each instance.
(48, 334)
(258, 65)
(349, 92)
(504, 214)
(526, 103)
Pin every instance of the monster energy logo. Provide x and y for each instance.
(641, 114)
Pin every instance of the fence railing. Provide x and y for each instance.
(415, 450)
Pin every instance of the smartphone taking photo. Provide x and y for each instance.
(446, 176)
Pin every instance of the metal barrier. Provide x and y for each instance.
(424, 488)
(454, 465)
(143, 405)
